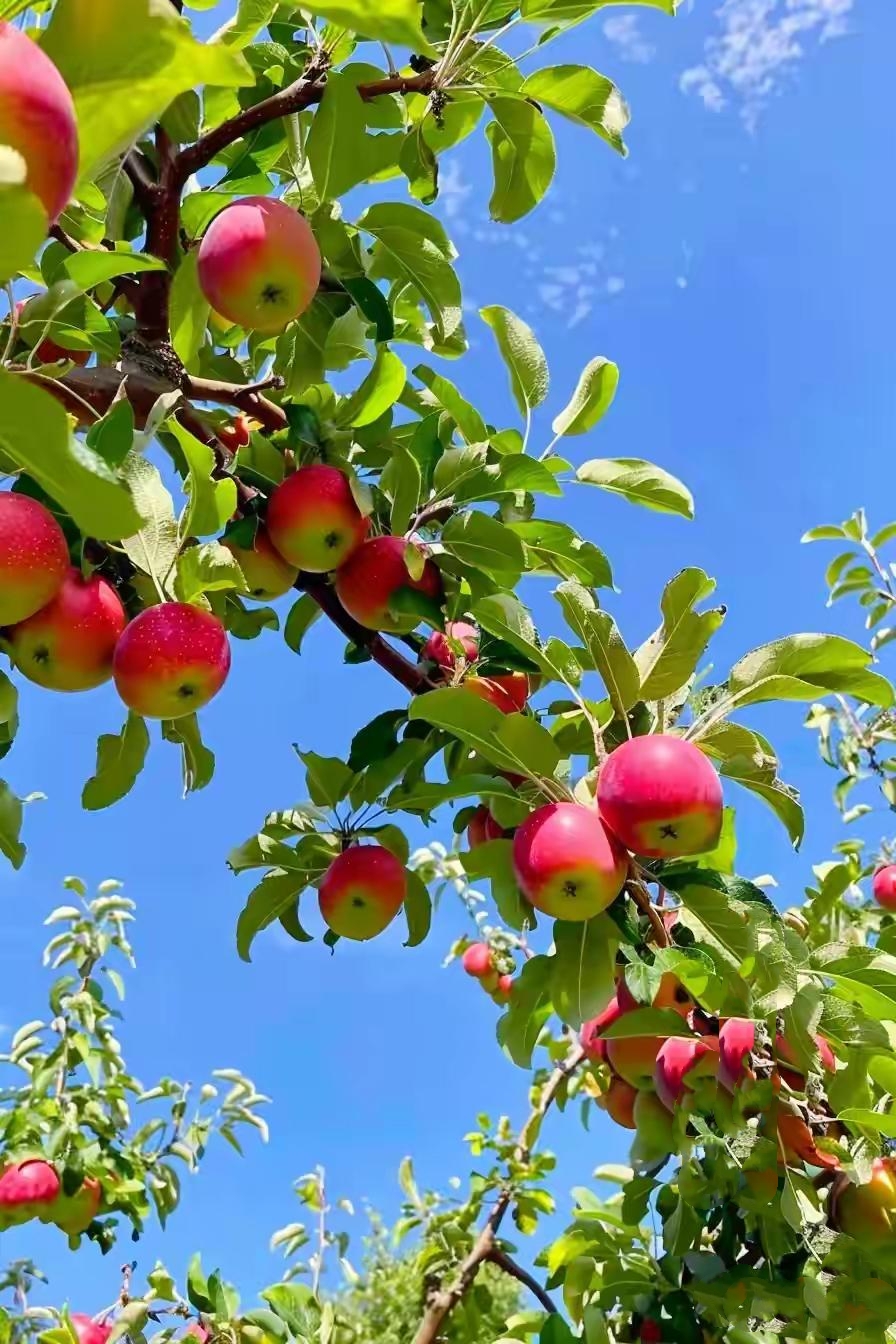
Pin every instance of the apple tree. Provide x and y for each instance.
(223, 382)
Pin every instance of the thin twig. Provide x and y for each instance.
(641, 897)
(509, 1266)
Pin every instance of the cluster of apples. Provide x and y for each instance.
(488, 967)
(32, 1188)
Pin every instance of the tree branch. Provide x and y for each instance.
(442, 1302)
(509, 1266)
(641, 897)
(245, 398)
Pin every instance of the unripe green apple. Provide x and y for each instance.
(566, 862)
(268, 576)
(313, 519)
(661, 796)
(372, 578)
(73, 1214)
(362, 891)
(33, 557)
(37, 119)
(69, 644)
(171, 660)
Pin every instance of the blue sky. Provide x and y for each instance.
(738, 268)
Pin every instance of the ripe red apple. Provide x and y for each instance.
(48, 352)
(619, 1103)
(442, 646)
(237, 434)
(634, 1057)
(681, 1064)
(259, 264)
(37, 119)
(661, 796)
(74, 1213)
(314, 520)
(368, 583)
(89, 1331)
(737, 1041)
(477, 961)
(591, 1036)
(27, 1189)
(362, 891)
(508, 691)
(868, 1212)
(483, 828)
(884, 886)
(267, 574)
(171, 660)
(651, 1332)
(786, 1055)
(68, 645)
(33, 557)
(567, 863)
(504, 991)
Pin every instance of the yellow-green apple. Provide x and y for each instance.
(259, 264)
(502, 994)
(655, 1126)
(479, 962)
(362, 891)
(619, 1102)
(737, 1041)
(313, 519)
(375, 575)
(69, 644)
(661, 796)
(89, 1331)
(685, 1064)
(567, 863)
(591, 1036)
(33, 557)
(27, 1189)
(73, 1214)
(459, 640)
(507, 691)
(883, 886)
(798, 1141)
(867, 1212)
(267, 574)
(171, 660)
(237, 434)
(793, 1075)
(47, 351)
(37, 119)
(482, 828)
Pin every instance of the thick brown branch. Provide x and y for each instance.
(509, 1266)
(380, 650)
(137, 168)
(295, 98)
(442, 1303)
(244, 398)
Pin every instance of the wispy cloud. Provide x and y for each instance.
(759, 44)
(623, 31)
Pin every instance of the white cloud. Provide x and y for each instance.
(626, 36)
(759, 44)
(453, 192)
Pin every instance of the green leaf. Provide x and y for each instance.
(189, 311)
(153, 549)
(523, 158)
(412, 248)
(113, 436)
(504, 616)
(805, 667)
(197, 762)
(209, 568)
(573, 11)
(123, 75)
(864, 1118)
(486, 544)
(119, 759)
(426, 795)
(417, 909)
(523, 356)
(9, 715)
(372, 303)
(639, 482)
(445, 396)
(11, 816)
(340, 151)
(24, 227)
(212, 502)
(554, 548)
(583, 968)
(251, 16)
(35, 436)
(401, 483)
(583, 95)
(88, 269)
(598, 632)
(748, 758)
(669, 658)
(327, 779)
(592, 398)
(827, 532)
(276, 893)
(527, 1012)
(379, 391)
(302, 615)
(511, 742)
(386, 21)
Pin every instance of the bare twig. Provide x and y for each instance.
(509, 1266)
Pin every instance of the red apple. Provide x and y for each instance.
(477, 961)
(68, 645)
(74, 1213)
(171, 660)
(634, 1057)
(237, 434)
(868, 1212)
(681, 1064)
(787, 1056)
(508, 691)
(651, 1332)
(567, 863)
(483, 828)
(504, 991)
(661, 796)
(884, 886)
(37, 119)
(368, 583)
(267, 574)
(737, 1041)
(457, 640)
(259, 264)
(619, 1103)
(362, 891)
(33, 557)
(27, 1189)
(591, 1037)
(798, 1142)
(48, 352)
(89, 1331)
(314, 520)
